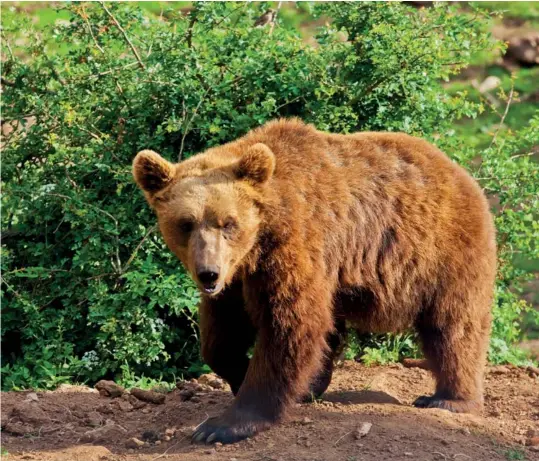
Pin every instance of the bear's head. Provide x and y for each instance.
(208, 207)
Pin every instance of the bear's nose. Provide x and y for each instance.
(208, 276)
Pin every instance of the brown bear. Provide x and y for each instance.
(289, 232)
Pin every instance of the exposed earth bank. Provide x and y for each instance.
(365, 415)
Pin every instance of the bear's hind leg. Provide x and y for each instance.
(226, 335)
(456, 353)
(322, 380)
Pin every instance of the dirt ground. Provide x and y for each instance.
(79, 424)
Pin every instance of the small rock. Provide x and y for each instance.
(186, 394)
(233, 459)
(146, 411)
(148, 396)
(532, 442)
(210, 452)
(157, 442)
(500, 370)
(305, 421)
(167, 438)
(533, 371)
(170, 431)
(308, 443)
(464, 430)
(524, 49)
(187, 431)
(109, 388)
(407, 453)
(362, 430)
(211, 380)
(195, 399)
(31, 397)
(496, 413)
(218, 445)
(489, 84)
(134, 443)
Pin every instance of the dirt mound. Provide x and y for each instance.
(365, 415)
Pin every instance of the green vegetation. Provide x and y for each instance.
(89, 289)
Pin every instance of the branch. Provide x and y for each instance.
(137, 248)
(189, 34)
(7, 46)
(120, 28)
(509, 101)
(84, 16)
(188, 124)
(275, 18)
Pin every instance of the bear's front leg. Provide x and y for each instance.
(289, 351)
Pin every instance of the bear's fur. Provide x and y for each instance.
(290, 232)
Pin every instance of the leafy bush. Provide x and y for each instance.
(88, 287)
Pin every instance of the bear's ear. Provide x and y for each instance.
(151, 171)
(256, 164)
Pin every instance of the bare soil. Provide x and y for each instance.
(78, 424)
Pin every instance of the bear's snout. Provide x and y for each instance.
(208, 277)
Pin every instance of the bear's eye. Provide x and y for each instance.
(186, 226)
(229, 224)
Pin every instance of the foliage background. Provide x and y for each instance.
(88, 287)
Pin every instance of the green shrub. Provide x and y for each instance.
(88, 287)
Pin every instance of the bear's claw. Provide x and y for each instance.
(455, 406)
(218, 430)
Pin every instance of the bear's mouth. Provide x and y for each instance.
(211, 288)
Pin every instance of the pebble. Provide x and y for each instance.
(31, 397)
(362, 430)
(148, 396)
(532, 442)
(306, 421)
(407, 453)
(109, 388)
(106, 432)
(170, 431)
(167, 438)
(134, 443)
(186, 394)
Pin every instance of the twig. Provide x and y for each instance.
(207, 417)
(275, 18)
(189, 34)
(529, 154)
(188, 124)
(137, 248)
(84, 16)
(120, 28)
(7, 46)
(509, 100)
(340, 438)
(168, 449)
